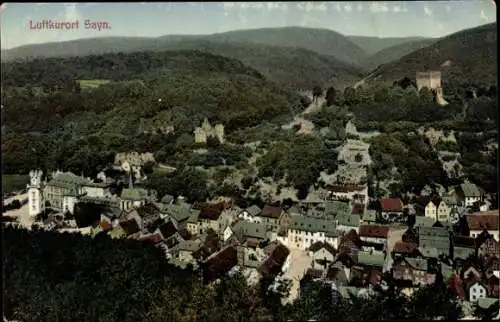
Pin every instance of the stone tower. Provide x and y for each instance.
(219, 132)
(431, 80)
(35, 196)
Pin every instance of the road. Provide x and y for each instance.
(300, 262)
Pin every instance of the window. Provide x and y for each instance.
(473, 297)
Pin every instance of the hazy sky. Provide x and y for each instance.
(381, 19)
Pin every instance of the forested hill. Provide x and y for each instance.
(49, 120)
(296, 68)
(468, 56)
(321, 41)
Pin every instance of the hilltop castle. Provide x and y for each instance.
(431, 80)
(201, 134)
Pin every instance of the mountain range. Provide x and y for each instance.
(302, 57)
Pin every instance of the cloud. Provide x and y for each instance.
(427, 11)
(396, 9)
(448, 8)
(348, 8)
(311, 6)
(360, 7)
(378, 7)
(229, 5)
(483, 16)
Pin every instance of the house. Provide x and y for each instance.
(129, 227)
(368, 270)
(322, 254)
(304, 231)
(133, 197)
(492, 266)
(192, 223)
(210, 245)
(391, 208)
(248, 233)
(468, 193)
(185, 249)
(278, 262)
(414, 270)
(169, 234)
(274, 216)
(358, 209)
(492, 284)
(405, 249)
(348, 192)
(475, 290)
(219, 264)
(410, 236)
(337, 275)
(178, 213)
(444, 212)
(481, 205)
(350, 244)
(348, 222)
(250, 213)
(426, 206)
(144, 215)
(210, 217)
(374, 237)
(167, 199)
(479, 221)
(487, 246)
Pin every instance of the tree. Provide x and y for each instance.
(350, 96)
(331, 96)
(317, 92)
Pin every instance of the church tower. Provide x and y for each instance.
(35, 196)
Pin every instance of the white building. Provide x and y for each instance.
(35, 197)
(305, 231)
(477, 291)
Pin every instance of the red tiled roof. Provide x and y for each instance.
(272, 266)
(405, 248)
(155, 238)
(212, 211)
(391, 204)
(357, 209)
(483, 220)
(351, 237)
(220, 264)
(105, 225)
(271, 212)
(129, 226)
(374, 231)
(344, 188)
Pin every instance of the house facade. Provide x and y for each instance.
(305, 231)
(480, 221)
(374, 237)
(468, 193)
(391, 208)
(322, 254)
(476, 290)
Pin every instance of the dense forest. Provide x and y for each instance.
(53, 276)
(149, 92)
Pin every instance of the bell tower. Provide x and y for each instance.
(35, 198)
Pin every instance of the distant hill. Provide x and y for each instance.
(466, 56)
(322, 41)
(293, 67)
(395, 52)
(372, 45)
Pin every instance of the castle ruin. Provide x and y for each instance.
(201, 134)
(431, 80)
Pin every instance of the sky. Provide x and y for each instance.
(375, 19)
